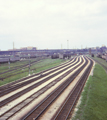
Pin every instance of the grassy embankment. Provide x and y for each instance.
(93, 104)
(100, 60)
(43, 65)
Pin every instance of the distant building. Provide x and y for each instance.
(28, 48)
(23, 48)
(97, 47)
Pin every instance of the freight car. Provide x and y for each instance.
(14, 59)
(55, 56)
(99, 55)
(7, 59)
(92, 55)
(66, 55)
(4, 60)
(104, 57)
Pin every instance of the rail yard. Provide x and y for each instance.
(51, 94)
(14, 70)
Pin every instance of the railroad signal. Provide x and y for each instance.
(9, 63)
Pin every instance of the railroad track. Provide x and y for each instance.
(52, 83)
(65, 111)
(9, 85)
(18, 84)
(39, 110)
(13, 71)
(28, 88)
(100, 64)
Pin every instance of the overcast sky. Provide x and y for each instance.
(48, 24)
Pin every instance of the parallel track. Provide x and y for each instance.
(10, 85)
(41, 108)
(29, 88)
(13, 71)
(66, 110)
(21, 84)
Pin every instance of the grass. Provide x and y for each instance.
(93, 104)
(46, 64)
(43, 65)
(5, 66)
(102, 61)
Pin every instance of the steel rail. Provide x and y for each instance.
(5, 87)
(11, 98)
(17, 86)
(15, 68)
(68, 105)
(34, 96)
(16, 71)
(18, 81)
(100, 64)
(49, 99)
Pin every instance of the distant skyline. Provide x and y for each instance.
(49, 24)
(33, 47)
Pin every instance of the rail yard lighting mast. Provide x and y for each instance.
(29, 63)
(67, 44)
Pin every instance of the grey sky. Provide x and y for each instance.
(50, 23)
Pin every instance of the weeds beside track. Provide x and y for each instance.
(93, 104)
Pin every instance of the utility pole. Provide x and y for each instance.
(13, 45)
(29, 64)
(13, 50)
(81, 46)
(61, 46)
(67, 44)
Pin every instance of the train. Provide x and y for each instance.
(5, 59)
(60, 56)
(103, 56)
(92, 55)
(55, 56)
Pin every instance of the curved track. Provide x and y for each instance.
(15, 85)
(39, 92)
